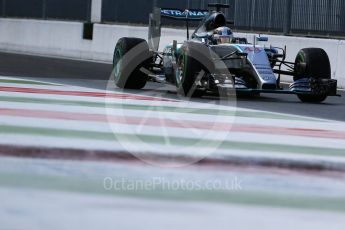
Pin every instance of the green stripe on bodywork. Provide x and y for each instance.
(26, 82)
(244, 197)
(239, 47)
(215, 112)
(173, 141)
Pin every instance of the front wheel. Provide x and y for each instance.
(188, 75)
(312, 63)
(312, 98)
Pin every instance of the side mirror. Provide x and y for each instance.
(262, 39)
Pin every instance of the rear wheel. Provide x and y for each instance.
(312, 63)
(131, 60)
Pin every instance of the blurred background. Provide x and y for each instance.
(304, 17)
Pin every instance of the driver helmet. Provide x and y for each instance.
(223, 35)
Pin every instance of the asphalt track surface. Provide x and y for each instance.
(56, 68)
(43, 189)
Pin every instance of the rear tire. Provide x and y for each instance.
(130, 56)
(312, 63)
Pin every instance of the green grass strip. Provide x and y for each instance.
(174, 141)
(26, 82)
(214, 112)
(244, 197)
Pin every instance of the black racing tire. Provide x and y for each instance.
(312, 98)
(312, 62)
(317, 64)
(130, 56)
(189, 68)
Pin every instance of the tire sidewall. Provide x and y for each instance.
(317, 66)
(135, 55)
(195, 59)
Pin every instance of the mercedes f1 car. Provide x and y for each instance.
(214, 61)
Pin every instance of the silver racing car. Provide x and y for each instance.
(213, 61)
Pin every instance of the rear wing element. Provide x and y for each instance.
(191, 15)
(218, 6)
(155, 21)
(155, 29)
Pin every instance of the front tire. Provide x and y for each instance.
(312, 98)
(312, 63)
(131, 57)
(188, 75)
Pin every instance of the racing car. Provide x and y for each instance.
(213, 60)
